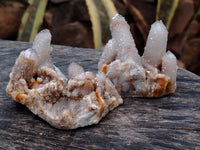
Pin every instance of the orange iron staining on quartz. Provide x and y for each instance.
(104, 67)
(101, 104)
(35, 84)
(21, 98)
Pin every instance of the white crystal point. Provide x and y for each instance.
(74, 69)
(156, 44)
(42, 47)
(42, 42)
(169, 66)
(108, 55)
(122, 39)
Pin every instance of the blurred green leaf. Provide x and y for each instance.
(96, 25)
(165, 11)
(101, 12)
(32, 19)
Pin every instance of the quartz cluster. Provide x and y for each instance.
(152, 75)
(84, 98)
(81, 100)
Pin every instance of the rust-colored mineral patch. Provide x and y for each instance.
(104, 67)
(100, 104)
(21, 98)
(35, 84)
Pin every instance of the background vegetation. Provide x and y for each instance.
(85, 23)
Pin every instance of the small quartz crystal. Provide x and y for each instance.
(152, 75)
(81, 100)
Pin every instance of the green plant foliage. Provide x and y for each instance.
(96, 25)
(158, 9)
(165, 11)
(101, 12)
(32, 19)
(172, 12)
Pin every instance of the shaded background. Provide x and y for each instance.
(69, 23)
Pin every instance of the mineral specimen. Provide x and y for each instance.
(66, 104)
(85, 98)
(152, 75)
